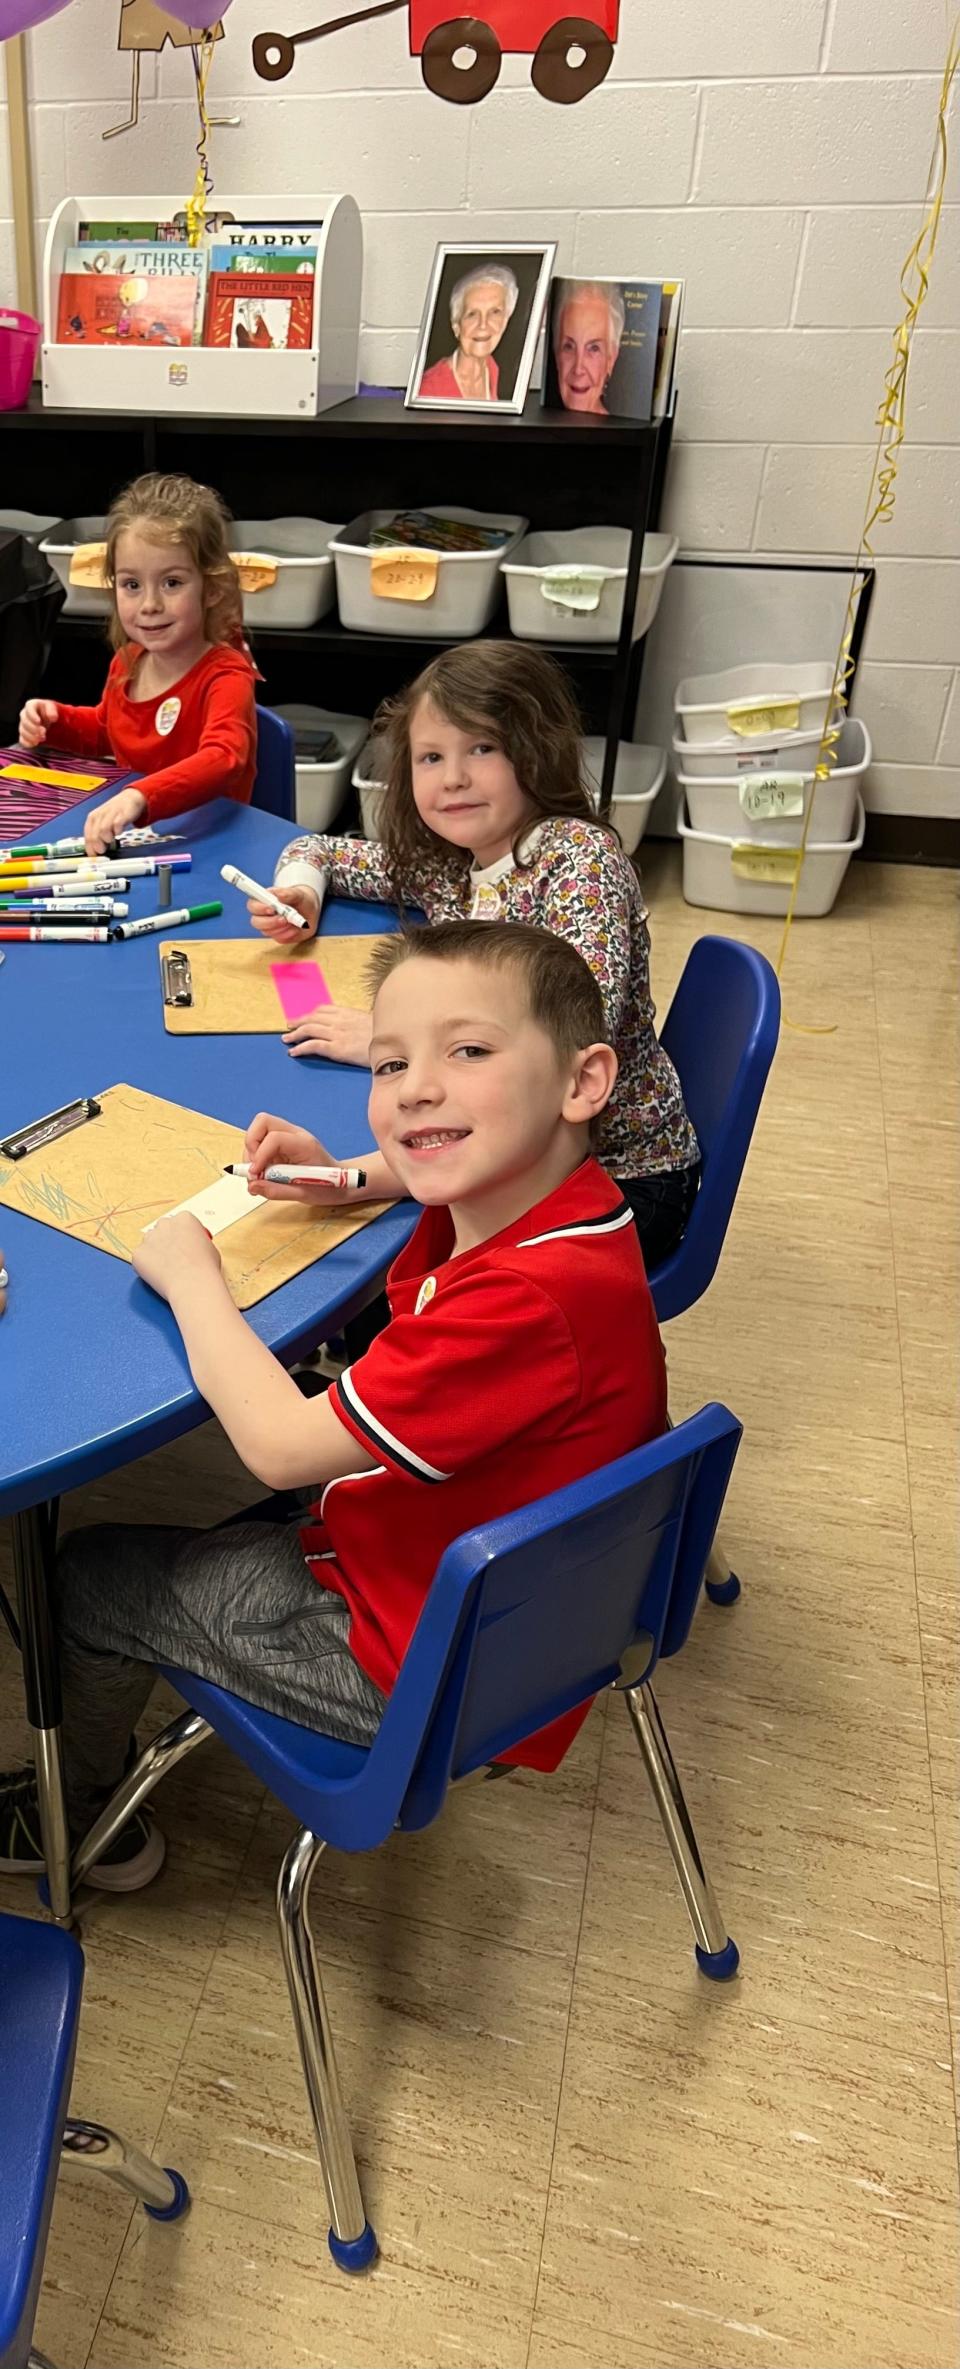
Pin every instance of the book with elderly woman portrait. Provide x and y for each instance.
(481, 320)
(602, 346)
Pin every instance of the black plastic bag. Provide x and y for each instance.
(31, 598)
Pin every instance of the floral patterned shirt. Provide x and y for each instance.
(574, 879)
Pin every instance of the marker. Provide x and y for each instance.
(347, 1180)
(64, 908)
(165, 921)
(94, 866)
(267, 896)
(4, 1279)
(71, 937)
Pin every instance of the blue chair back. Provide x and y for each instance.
(721, 1034)
(41, 1979)
(526, 1618)
(275, 785)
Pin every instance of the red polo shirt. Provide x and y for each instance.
(504, 1374)
(196, 741)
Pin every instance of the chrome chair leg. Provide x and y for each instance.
(351, 2240)
(155, 1760)
(92, 2147)
(720, 1583)
(716, 1954)
(37, 2360)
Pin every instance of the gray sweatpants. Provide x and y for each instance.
(236, 1604)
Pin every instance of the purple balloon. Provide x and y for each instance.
(189, 12)
(16, 16)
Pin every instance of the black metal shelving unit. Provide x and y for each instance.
(553, 468)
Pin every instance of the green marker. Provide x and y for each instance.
(165, 921)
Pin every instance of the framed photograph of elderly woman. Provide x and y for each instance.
(480, 325)
(601, 347)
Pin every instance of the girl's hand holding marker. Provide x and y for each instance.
(294, 917)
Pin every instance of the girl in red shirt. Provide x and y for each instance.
(179, 705)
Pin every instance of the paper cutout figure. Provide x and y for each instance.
(145, 26)
(460, 56)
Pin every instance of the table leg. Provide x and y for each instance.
(34, 1547)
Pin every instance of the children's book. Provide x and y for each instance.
(265, 259)
(285, 236)
(671, 308)
(425, 530)
(259, 311)
(105, 308)
(128, 232)
(133, 255)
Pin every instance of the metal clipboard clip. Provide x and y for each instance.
(175, 974)
(49, 1129)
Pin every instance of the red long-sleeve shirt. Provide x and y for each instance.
(198, 740)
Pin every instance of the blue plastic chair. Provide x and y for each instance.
(275, 783)
(721, 1034)
(526, 1618)
(41, 1980)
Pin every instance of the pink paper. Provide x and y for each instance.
(301, 986)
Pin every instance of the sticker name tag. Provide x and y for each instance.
(778, 864)
(404, 575)
(777, 715)
(573, 588)
(765, 794)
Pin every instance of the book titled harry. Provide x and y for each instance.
(262, 312)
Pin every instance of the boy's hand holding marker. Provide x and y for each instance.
(276, 1143)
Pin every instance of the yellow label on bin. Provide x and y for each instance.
(403, 575)
(750, 861)
(764, 794)
(778, 715)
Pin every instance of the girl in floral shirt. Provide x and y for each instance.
(485, 817)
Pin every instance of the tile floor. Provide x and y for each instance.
(576, 2152)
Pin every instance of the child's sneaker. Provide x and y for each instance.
(134, 1857)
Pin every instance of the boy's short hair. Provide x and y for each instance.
(562, 992)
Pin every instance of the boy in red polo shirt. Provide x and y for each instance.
(522, 1352)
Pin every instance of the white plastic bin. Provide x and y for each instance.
(26, 522)
(759, 702)
(304, 587)
(728, 756)
(710, 877)
(772, 804)
(369, 783)
(321, 786)
(59, 547)
(452, 596)
(568, 585)
(637, 783)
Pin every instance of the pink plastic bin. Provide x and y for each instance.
(19, 344)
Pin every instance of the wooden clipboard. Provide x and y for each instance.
(107, 1180)
(232, 989)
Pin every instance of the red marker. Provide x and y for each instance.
(66, 937)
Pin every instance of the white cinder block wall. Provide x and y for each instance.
(775, 152)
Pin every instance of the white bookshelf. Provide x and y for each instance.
(199, 379)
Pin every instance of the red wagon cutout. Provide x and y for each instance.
(460, 56)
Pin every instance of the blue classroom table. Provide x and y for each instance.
(94, 1370)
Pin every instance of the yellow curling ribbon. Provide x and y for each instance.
(198, 203)
(891, 426)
